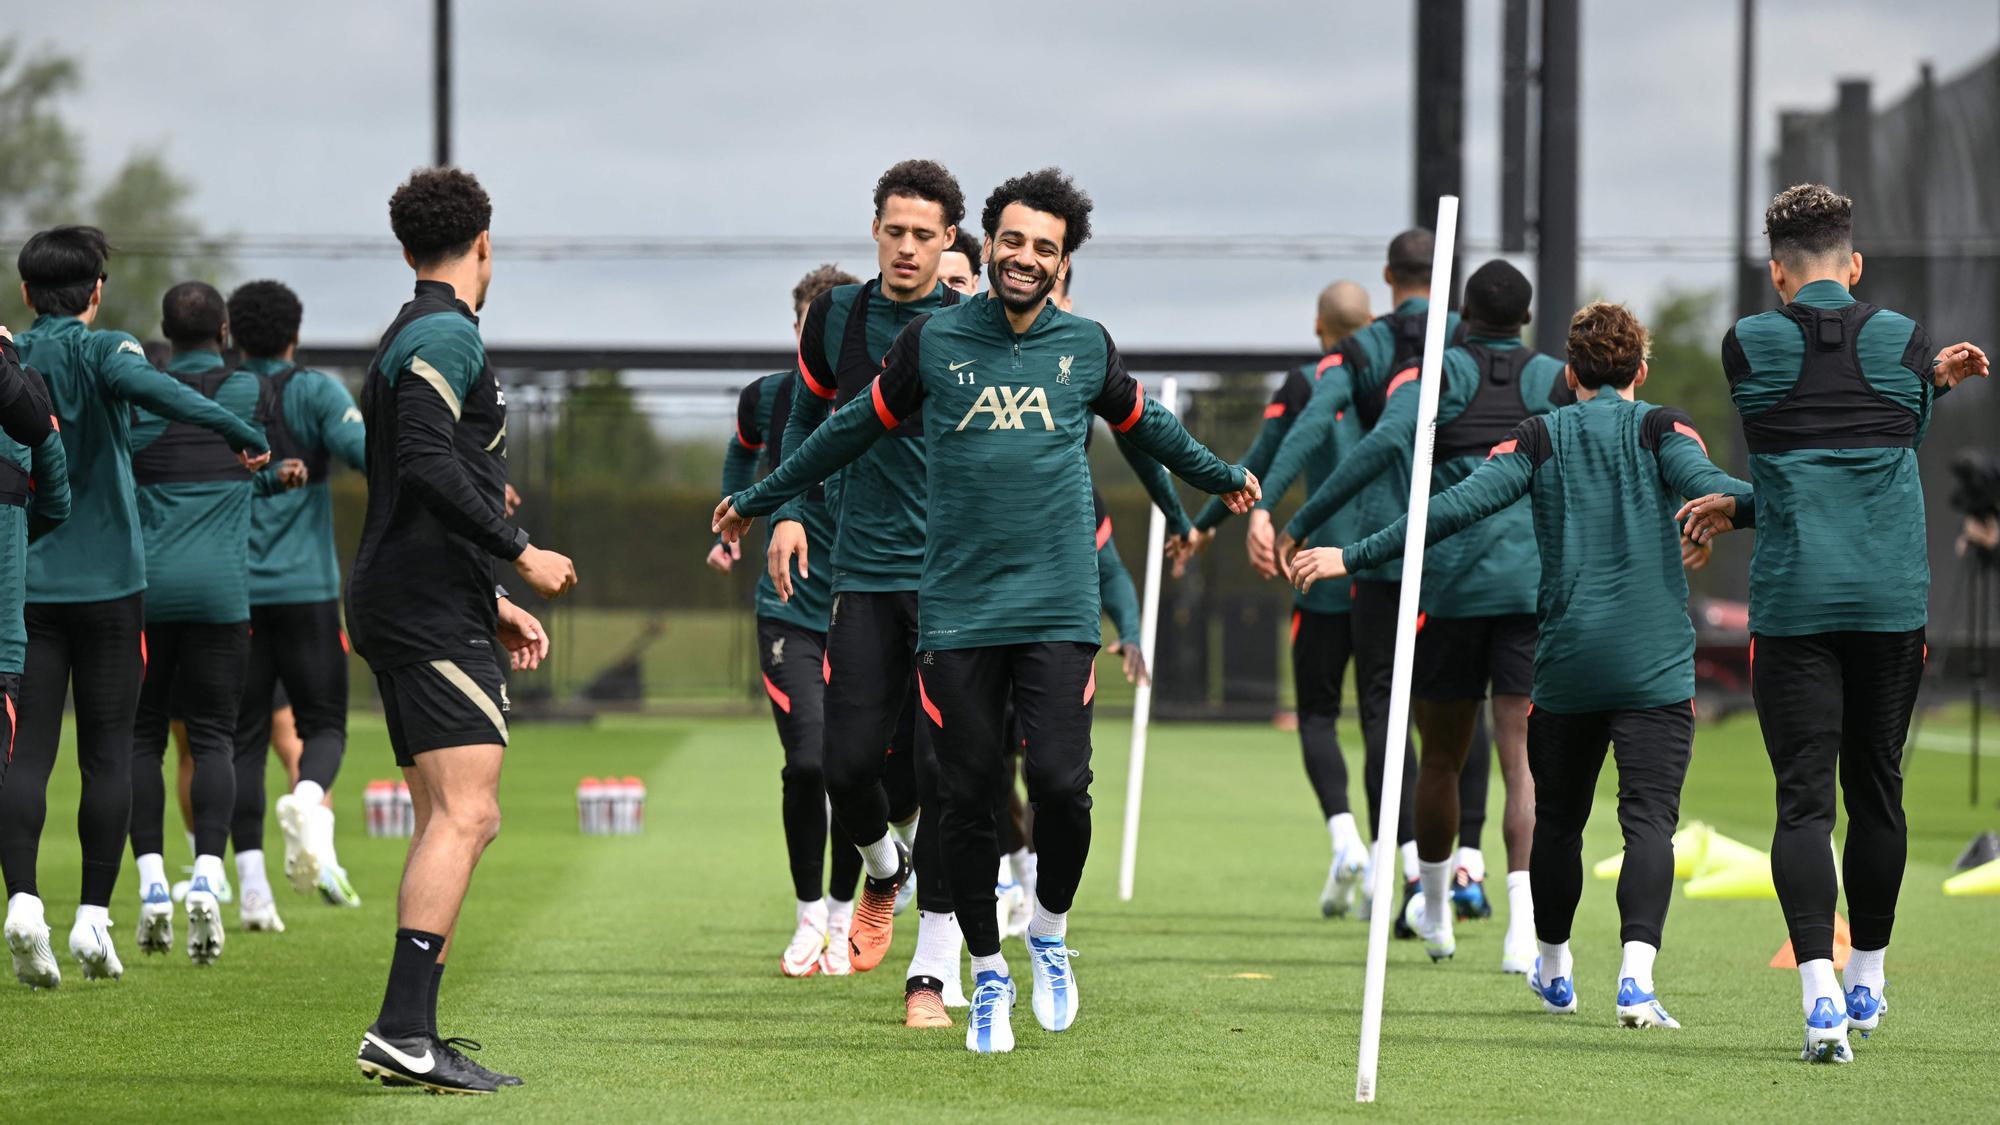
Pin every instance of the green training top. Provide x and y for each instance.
(45, 504)
(292, 556)
(197, 533)
(761, 413)
(1840, 544)
(1492, 569)
(94, 379)
(1012, 554)
(1605, 478)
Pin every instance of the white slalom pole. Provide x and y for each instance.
(1142, 701)
(1406, 648)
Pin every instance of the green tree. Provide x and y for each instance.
(1686, 369)
(142, 207)
(601, 435)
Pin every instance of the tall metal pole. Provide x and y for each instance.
(1556, 215)
(1748, 283)
(441, 83)
(1440, 118)
(1514, 128)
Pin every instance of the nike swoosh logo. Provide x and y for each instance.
(956, 366)
(421, 944)
(413, 1065)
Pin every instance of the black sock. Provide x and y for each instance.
(406, 1002)
(437, 977)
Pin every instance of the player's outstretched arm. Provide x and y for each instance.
(1957, 363)
(739, 467)
(131, 378)
(342, 431)
(1372, 456)
(49, 504)
(1284, 408)
(813, 391)
(1159, 485)
(1722, 502)
(1151, 427)
(1310, 433)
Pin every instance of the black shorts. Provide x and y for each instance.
(442, 703)
(1457, 657)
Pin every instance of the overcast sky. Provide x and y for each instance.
(768, 119)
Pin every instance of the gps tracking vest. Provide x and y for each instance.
(185, 454)
(857, 368)
(1496, 407)
(285, 445)
(1832, 405)
(1406, 331)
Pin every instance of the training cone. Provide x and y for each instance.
(1724, 854)
(1981, 880)
(1984, 849)
(1747, 880)
(1843, 945)
(1689, 844)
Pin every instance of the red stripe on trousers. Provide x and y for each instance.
(1089, 690)
(1295, 627)
(783, 701)
(924, 697)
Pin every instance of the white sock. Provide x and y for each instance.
(1638, 964)
(1046, 923)
(993, 964)
(250, 871)
(1816, 980)
(880, 858)
(839, 915)
(1006, 870)
(811, 913)
(309, 793)
(209, 867)
(152, 869)
(938, 943)
(190, 840)
(1474, 863)
(1555, 960)
(1520, 905)
(1341, 827)
(1435, 878)
(1026, 867)
(94, 916)
(1411, 864)
(1864, 969)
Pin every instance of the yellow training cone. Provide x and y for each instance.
(1981, 880)
(1689, 845)
(1609, 868)
(1746, 880)
(1724, 854)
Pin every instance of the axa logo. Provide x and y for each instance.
(1009, 408)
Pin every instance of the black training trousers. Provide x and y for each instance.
(10, 702)
(1321, 645)
(100, 645)
(1837, 703)
(1565, 752)
(301, 648)
(793, 661)
(1374, 623)
(964, 693)
(194, 671)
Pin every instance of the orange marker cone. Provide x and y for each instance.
(1843, 946)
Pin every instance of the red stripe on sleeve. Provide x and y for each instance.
(1406, 375)
(1508, 446)
(1275, 410)
(1334, 360)
(881, 408)
(1685, 430)
(745, 442)
(1104, 533)
(812, 384)
(1138, 408)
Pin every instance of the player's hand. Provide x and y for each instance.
(1958, 363)
(1240, 500)
(253, 461)
(1258, 542)
(1284, 551)
(527, 643)
(292, 473)
(723, 556)
(1134, 660)
(6, 335)
(788, 541)
(510, 502)
(1695, 555)
(549, 574)
(1705, 517)
(728, 522)
(1315, 563)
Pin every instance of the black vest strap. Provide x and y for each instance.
(1496, 407)
(1832, 405)
(857, 367)
(185, 454)
(285, 444)
(774, 434)
(1407, 334)
(15, 485)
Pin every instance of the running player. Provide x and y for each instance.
(296, 642)
(1478, 602)
(1008, 611)
(85, 584)
(194, 504)
(958, 267)
(791, 647)
(425, 613)
(1835, 396)
(1614, 662)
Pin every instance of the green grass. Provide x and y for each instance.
(636, 979)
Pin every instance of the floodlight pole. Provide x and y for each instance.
(1384, 874)
(441, 83)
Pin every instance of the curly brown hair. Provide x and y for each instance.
(1809, 221)
(926, 180)
(1606, 345)
(1049, 190)
(437, 213)
(817, 281)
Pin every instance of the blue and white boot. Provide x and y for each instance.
(156, 920)
(1436, 932)
(1558, 996)
(1054, 997)
(1826, 1033)
(1640, 1008)
(204, 911)
(989, 1029)
(1865, 1007)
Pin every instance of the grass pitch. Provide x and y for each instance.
(636, 978)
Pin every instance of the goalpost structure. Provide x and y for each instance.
(1383, 876)
(1142, 699)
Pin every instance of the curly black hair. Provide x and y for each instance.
(1807, 221)
(264, 318)
(926, 180)
(437, 214)
(815, 282)
(1049, 190)
(61, 266)
(967, 245)
(192, 314)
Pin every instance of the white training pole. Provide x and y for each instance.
(1142, 701)
(1406, 648)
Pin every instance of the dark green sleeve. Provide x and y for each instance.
(1688, 473)
(48, 505)
(266, 482)
(1311, 432)
(808, 411)
(342, 432)
(1115, 590)
(131, 378)
(1373, 455)
(1492, 487)
(1161, 434)
(1158, 482)
(739, 462)
(1257, 459)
